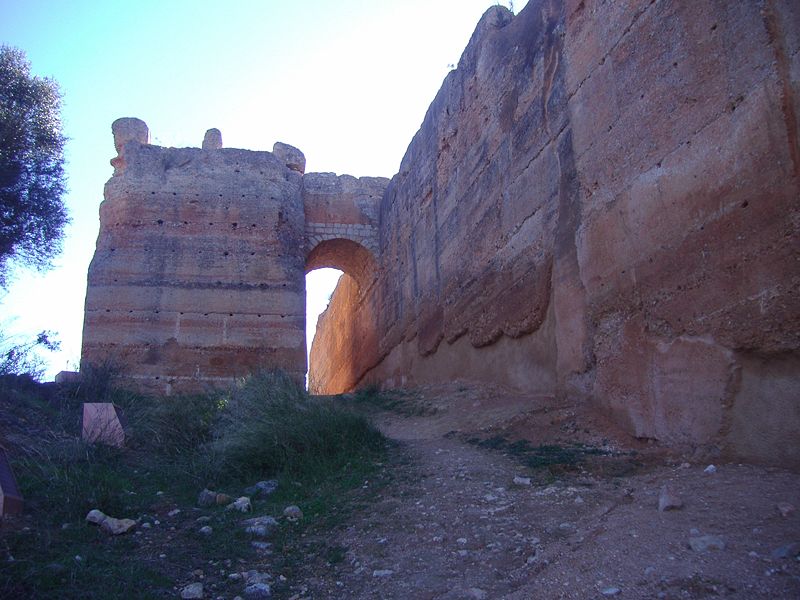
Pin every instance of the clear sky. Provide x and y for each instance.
(346, 81)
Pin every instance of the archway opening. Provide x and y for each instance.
(320, 285)
(341, 342)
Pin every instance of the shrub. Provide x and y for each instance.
(269, 425)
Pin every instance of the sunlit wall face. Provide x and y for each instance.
(320, 284)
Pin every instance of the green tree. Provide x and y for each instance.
(17, 358)
(32, 181)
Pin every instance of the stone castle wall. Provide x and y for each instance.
(603, 204)
(199, 272)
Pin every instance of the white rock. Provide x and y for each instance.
(293, 513)
(108, 524)
(258, 590)
(241, 504)
(611, 591)
(710, 470)
(206, 530)
(253, 577)
(382, 573)
(668, 499)
(706, 542)
(261, 546)
(193, 591)
(522, 480)
(262, 526)
(96, 516)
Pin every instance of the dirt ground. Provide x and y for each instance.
(454, 524)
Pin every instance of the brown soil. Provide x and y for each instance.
(453, 524)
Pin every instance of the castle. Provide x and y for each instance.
(602, 204)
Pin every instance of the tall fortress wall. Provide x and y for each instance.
(602, 204)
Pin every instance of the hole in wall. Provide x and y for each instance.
(349, 350)
(320, 284)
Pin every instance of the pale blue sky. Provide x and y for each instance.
(348, 82)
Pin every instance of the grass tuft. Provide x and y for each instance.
(270, 425)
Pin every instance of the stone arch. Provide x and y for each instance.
(348, 256)
(345, 343)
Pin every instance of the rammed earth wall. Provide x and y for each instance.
(602, 204)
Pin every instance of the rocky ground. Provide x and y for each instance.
(484, 493)
(463, 520)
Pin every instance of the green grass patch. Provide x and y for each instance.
(550, 459)
(319, 450)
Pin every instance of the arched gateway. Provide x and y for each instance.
(199, 272)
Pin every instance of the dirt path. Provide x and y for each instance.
(453, 524)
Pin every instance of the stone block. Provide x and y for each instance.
(103, 423)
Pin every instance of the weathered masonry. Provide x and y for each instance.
(602, 204)
(199, 272)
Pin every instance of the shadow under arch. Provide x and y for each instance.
(345, 343)
(346, 255)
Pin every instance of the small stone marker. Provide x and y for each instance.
(104, 423)
(10, 497)
(668, 499)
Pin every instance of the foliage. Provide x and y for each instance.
(21, 358)
(271, 425)
(32, 181)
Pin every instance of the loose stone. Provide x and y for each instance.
(704, 543)
(293, 513)
(193, 591)
(382, 573)
(668, 499)
(241, 504)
